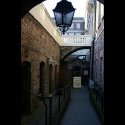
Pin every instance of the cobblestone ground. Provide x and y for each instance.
(80, 110)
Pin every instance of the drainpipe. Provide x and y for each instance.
(92, 67)
(95, 20)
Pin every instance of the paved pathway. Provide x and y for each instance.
(80, 110)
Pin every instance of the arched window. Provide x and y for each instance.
(25, 87)
(42, 78)
(50, 78)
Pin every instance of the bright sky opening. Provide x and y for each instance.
(79, 5)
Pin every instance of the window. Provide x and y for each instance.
(78, 26)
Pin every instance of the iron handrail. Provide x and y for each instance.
(50, 96)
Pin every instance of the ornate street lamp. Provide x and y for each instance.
(64, 12)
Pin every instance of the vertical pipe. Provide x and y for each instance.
(93, 44)
(92, 68)
(50, 111)
(95, 20)
(102, 101)
(46, 108)
(64, 93)
(45, 111)
(59, 101)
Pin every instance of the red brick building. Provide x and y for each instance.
(40, 55)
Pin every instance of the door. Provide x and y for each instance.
(50, 79)
(42, 78)
(25, 88)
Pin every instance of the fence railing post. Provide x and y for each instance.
(45, 111)
(102, 101)
(50, 110)
(64, 93)
(59, 102)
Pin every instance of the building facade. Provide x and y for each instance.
(40, 56)
(42, 71)
(90, 17)
(95, 26)
(98, 65)
(98, 74)
(77, 27)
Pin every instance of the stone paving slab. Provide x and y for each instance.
(80, 110)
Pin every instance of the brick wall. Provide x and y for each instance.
(36, 46)
(99, 59)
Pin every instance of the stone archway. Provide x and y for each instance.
(72, 66)
(70, 51)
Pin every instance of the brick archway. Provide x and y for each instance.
(70, 51)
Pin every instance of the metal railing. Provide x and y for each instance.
(96, 95)
(55, 104)
(77, 40)
(99, 97)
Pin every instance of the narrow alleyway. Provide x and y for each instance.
(80, 110)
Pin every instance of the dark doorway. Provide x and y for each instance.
(76, 71)
(85, 74)
(25, 88)
(42, 78)
(50, 79)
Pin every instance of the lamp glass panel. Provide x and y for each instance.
(58, 18)
(67, 18)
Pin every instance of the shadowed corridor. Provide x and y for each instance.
(80, 110)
